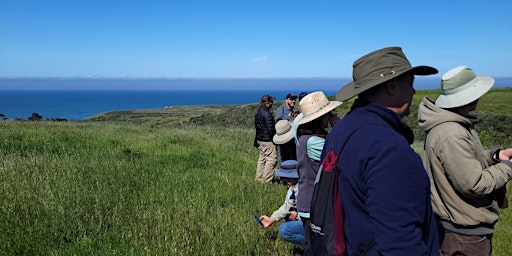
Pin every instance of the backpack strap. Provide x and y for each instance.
(342, 146)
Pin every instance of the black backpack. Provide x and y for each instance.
(327, 235)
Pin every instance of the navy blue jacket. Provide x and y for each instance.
(384, 188)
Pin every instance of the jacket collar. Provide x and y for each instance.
(390, 117)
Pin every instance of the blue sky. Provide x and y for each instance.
(246, 39)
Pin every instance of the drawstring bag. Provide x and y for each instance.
(327, 235)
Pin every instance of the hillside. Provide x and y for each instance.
(493, 110)
(176, 181)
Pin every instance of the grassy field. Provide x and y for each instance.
(176, 181)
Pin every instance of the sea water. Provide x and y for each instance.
(78, 105)
(61, 98)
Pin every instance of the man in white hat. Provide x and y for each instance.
(468, 183)
(283, 138)
(284, 112)
(385, 191)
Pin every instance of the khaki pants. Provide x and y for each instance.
(455, 244)
(266, 162)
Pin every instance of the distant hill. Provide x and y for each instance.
(494, 110)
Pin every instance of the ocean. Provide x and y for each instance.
(62, 98)
(79, 105)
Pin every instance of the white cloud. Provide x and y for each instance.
(260, 59)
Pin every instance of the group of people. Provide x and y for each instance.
(394, 202)
(302, 131)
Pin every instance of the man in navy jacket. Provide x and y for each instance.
(384, 188)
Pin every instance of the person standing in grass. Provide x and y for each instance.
(309, 129)
(287, 150)
(284, 111)
(468, 183)
(265, 131)
(291, 230)
(286, 144)
(384, 189)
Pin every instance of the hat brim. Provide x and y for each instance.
(305, 119)
(291, 175)
(283, 138)
(350, 90)
(473, 90)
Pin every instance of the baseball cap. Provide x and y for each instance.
(291, 96)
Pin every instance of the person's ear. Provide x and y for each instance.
(391, 86)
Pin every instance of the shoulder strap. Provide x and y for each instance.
(342, 146)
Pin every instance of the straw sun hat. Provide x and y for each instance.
(461, 86)
(314, 105)
(378, 67)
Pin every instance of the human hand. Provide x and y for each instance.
(267, 221)
(293, 215)
(505, 154)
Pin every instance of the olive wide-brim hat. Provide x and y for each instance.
(378, 67)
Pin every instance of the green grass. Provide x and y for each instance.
(169, 116)
(135, 183)
(97, 188)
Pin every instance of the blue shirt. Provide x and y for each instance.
(283, 113)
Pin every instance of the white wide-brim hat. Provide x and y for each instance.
(283, 132)
(461, 86)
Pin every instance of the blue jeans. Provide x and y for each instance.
(293, 232)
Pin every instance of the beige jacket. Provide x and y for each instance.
(464, 177)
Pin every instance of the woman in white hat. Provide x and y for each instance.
(283, 138)
(310, 131)
(468, 183)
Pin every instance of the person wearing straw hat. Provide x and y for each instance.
(309, 129)
(283, 138)
(291, 230)
(468, 183)
(265, 131)
(384, 188)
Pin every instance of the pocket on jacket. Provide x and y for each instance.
(455, 244)
(471, 239)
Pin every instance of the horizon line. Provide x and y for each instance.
(193, 78)
(157, 77)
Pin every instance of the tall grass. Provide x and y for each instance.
(105, 188)
(88, 189)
